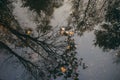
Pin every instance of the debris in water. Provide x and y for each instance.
(29, 31)
(63, 69)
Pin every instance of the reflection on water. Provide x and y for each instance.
(61, 14)
(108, 37)
(100, 63)
(88, 46)
(67, 66)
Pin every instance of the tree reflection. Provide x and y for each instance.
(86, 14)
(113, 11)
(67, 64)
(43, 10)
(42, 5)
(108, 37)
(44, 56)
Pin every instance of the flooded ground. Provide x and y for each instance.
(102, 65)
